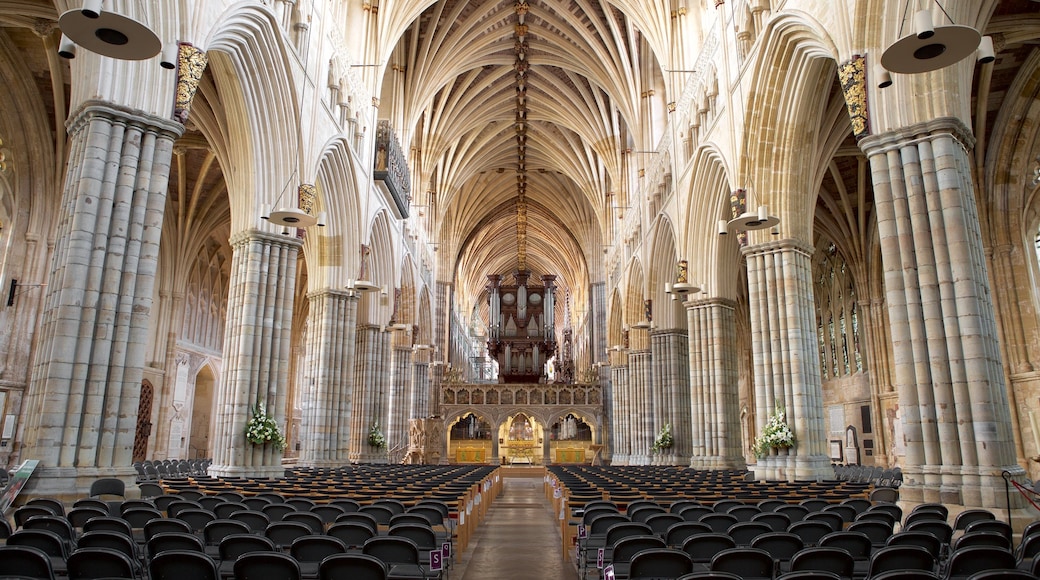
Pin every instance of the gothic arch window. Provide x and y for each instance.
(837, 315)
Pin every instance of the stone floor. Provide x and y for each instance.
(519, 538)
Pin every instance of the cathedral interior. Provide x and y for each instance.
(523, 232)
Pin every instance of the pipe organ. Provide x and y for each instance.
(522, 332)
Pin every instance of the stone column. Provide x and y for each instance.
(372, 382)
(671, 389)
(81, 406)
(948, 370)
(715, 404)
(400, 400)
(786, 356)
(619, 421)
(641, 410)
(329, 379)
(419, 407)
(256, 351)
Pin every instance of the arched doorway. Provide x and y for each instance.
(201, 414)
(469, 439)
(570, 438)
(522, 438)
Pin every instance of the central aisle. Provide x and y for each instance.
(519, 537)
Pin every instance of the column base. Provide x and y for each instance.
(72, 483)
(253, 471)
(718, 462)
(321, 462)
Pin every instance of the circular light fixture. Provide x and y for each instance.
(641, 325)
(947, 45)
(365, 286)
(110, 34)
(292, 217)
(685, 287)
(753, 221)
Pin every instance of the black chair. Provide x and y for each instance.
(358, 517)
(777, 522)
(25, 562)
(905, 575)
(196, 518)
(150, 489)
(352, 534)
(266, 566)
(401, 555)
(78, 516)
(782, 546)
(257, 521)
(109, 524)
(795, 513)
(643, 511)
(677, 533)
(892, 558)
(877, 530)
(834, 560)
(98, 563)
(309, 552)
(998, 526)
(256, 503)
(275, 511)
(349, 505)
(847, 512)
(113, 541)
(22, 514)
(744, 513)
(57, 524)
(961, 521)
(312, 520)
(626, 548)
(748, 563)
(832, 519)
(423, 536)
(108, 486)
(810, 531)
(660, 563)
(1002, 575)
(938, 528)
(719, 523)
(701, 548)
(328, 512)
(809, 575)
(709, 575)
(224, 510)
(352, 566)
(694, 513)
(235, 545)
(182, 565)
(54, 506)
(162, 525)
(995, 539)
(1027, 551)
(173, 542)
(284, 533)
(660, 522)
(972, 559)
(857, 544)
(45, 541)
(381, 513)
(744, 532)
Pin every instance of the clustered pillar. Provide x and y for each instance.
(716, 436)
(786, 357)
(952, 396)
(325, 429)
(82, 409)
(256, 352)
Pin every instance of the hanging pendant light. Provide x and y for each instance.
(108, 33)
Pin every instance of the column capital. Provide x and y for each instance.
(709, 303)
(884, 142)
(342, 293)
(94, 108)
(772, 247)
(246, 236)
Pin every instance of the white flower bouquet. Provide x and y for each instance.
(664, 439)
(776, 435)
(376, 438)
(262, 429)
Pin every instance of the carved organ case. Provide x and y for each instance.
(522, 333)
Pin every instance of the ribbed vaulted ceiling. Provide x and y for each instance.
(455, 76)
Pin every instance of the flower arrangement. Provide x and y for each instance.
(376, 438)
(262, 429)
(664, 439)
(776, 435)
